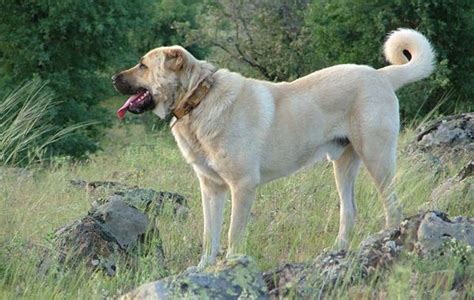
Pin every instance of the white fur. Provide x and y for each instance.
(160, 110)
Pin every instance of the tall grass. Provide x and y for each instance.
(26, 129)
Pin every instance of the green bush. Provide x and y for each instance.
(73, 45)
(266, 39)
(171, 21)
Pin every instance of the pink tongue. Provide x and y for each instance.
(122, 110)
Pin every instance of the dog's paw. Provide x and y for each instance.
(206, 261)
(341, 244)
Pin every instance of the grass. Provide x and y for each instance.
(293, 219)
(26, 129)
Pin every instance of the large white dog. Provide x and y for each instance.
(238, 133)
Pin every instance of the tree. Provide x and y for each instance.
(269, 37)
(170, 21)
(71, 44)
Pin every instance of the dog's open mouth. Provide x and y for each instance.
(137, 103)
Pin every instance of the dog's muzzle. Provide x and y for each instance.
(140, 100)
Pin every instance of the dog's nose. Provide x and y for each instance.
(115, 77)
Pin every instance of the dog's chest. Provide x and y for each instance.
(195, 150)
(190, 147)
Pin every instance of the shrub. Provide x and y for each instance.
(72, 45)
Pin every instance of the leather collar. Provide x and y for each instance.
(192, 99)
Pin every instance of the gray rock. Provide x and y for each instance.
(153, 201)
(447, 138)
(234, 278)
(121, 221)
(108, 234)
(448, 131)
(281, 276)
(434, 231)
(121, 218)
(145, 199)
(423, 234)
(426, 234)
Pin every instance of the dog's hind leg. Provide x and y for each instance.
(345, 172)
(379, 157)
(213, 200)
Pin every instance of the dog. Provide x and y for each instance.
(238, 133)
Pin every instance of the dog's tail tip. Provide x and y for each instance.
(412, 55)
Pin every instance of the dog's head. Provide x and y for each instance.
(162, 76)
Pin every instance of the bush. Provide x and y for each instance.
(265, 39)
(72, 45)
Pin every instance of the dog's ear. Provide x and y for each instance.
(198, 76)
(175, 59)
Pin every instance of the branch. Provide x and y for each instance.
(241, 57)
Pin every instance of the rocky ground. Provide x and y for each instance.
(446, 138)
(426, 234)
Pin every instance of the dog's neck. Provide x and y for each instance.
(197, 83)
(192, 98)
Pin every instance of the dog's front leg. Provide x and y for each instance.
(243, 195)
(213, 200)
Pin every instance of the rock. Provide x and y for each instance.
(448, 138)
(78, 183)
(147, 200)
(424, 234)
(427, 235)
(448, 131)
(435, 230)
(109, 232)
(121, 221)
(152, 201)
(234, 278)
(121, 218)
(281, 277)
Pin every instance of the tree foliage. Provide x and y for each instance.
(170, 22)
(71, 44)
(270, 37)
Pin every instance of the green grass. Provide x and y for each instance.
(293, 219)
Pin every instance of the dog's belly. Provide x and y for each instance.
(275, 167)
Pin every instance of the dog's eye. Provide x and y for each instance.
(142, 66)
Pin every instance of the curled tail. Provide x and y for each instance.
(411, 56)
